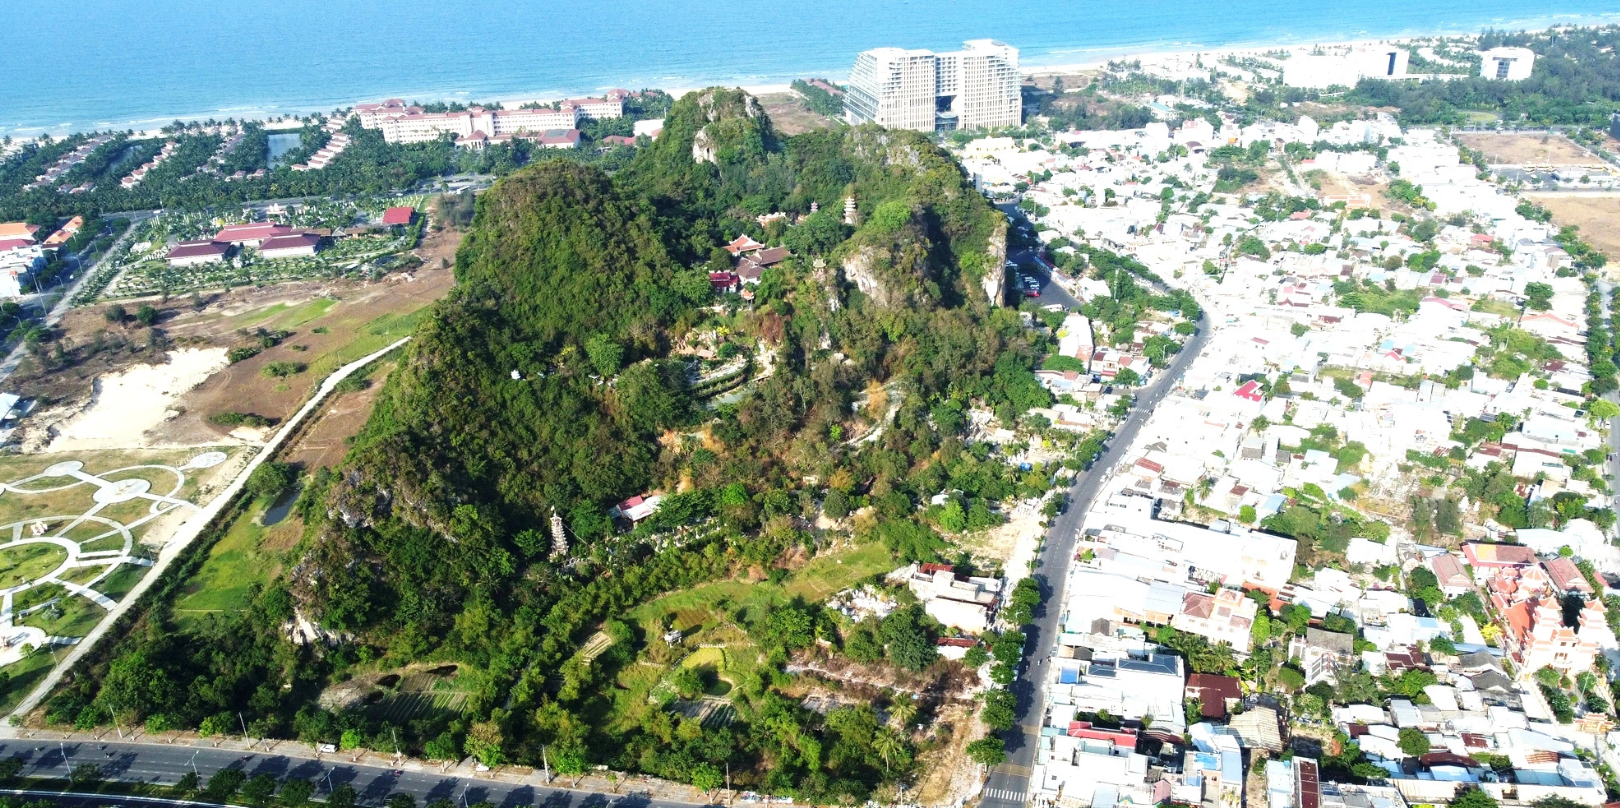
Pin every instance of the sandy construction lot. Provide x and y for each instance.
(790, 116)
(1518, 150)
(126, 404)
(1598, 217)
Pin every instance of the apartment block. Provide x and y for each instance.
(973, 88)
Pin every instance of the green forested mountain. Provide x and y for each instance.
(547, 380)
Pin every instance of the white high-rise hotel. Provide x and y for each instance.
(973, 88)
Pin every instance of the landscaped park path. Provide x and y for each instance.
(189, 531)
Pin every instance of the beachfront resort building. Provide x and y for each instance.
(1345, 68)
(1506, 64)
(973, 88)
(400, 123)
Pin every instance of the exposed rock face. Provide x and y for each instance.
(718, 107)
(703, 148)
(858, 270)
(994, 282)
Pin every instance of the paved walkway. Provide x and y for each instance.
(188, 532)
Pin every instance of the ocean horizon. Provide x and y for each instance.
(143, 63)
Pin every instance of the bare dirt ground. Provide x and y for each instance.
(330, 322)
(1071, 81)
(951, 776)
(325, 442)
(1598, 217)
(790, 116)
(1335, 183)
(1542, 149)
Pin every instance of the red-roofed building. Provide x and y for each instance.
(61, 236)
(1452, 577)
(1567, 578)
(559, 139)
(400, 215)
(619, 140)
(636, 508)
(1498, 556)
(1250, 391)
(1215, 694)
(192, 253)
(22, 230)
(954, 647)
(1122, 739)
(296, 245)
(724, 282)
(252, 235)
(743, 244)
(9, 244)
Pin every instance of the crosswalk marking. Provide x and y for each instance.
(1004, 795)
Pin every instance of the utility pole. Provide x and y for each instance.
(194, 771)
(329, 782)
(547, 764)
(243, 722)
(116, 726)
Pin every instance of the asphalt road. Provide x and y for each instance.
(157, 763)
(1009, 783)
(1049, 292)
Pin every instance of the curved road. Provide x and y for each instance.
(1009, 783)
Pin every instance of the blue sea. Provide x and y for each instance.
(101, 64)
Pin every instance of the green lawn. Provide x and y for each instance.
(123, 579)
(29, 562)
(25, 673)
(235, 564)
(306, 312)
(77, 616)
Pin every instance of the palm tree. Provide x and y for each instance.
(901, 712)
(888, 746)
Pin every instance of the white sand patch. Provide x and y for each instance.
(128, 403)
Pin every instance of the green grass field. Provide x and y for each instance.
(235, 564)
(823, 576)
(123, 579)
(30, 562)
(25, 673)
(75, 618)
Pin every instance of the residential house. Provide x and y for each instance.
(1226, 616)
(1215, 694)
(1129, 687)
(1453, 579)
(1321, 653)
